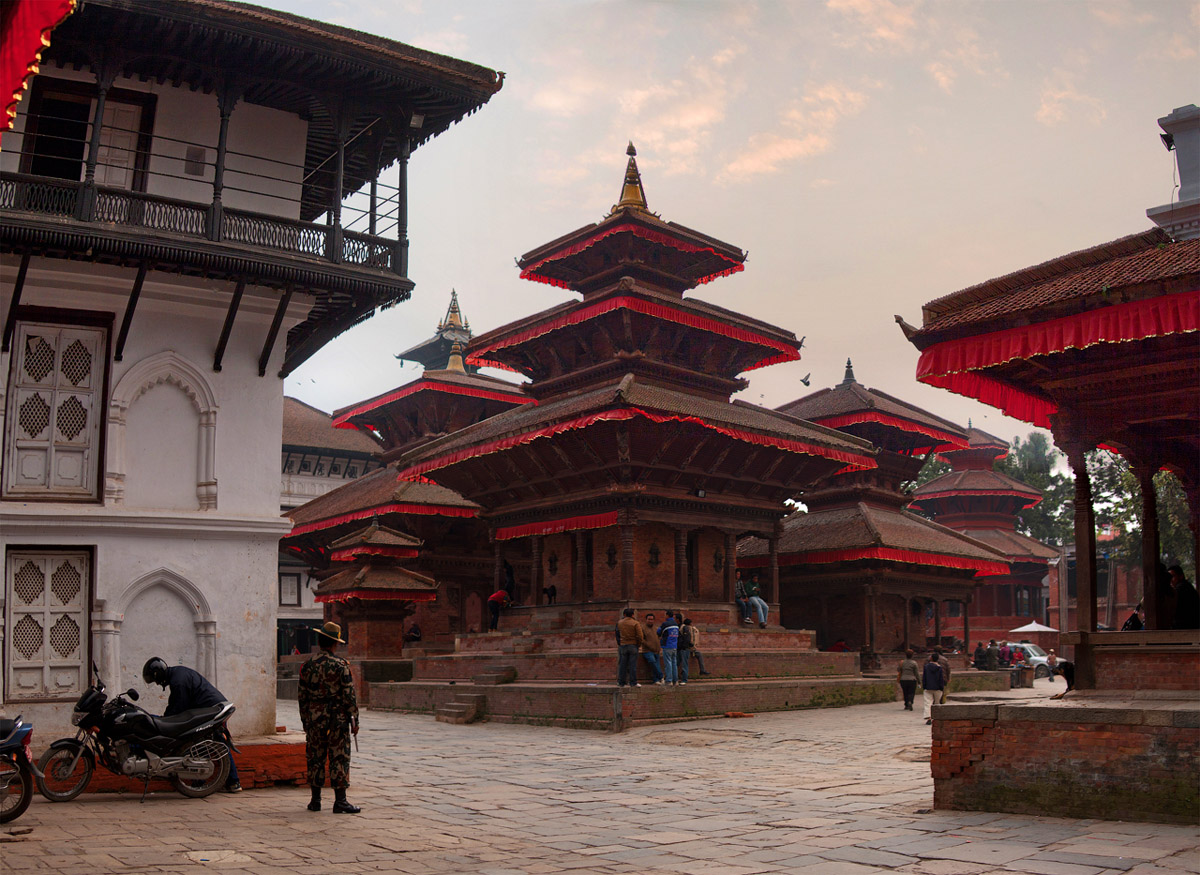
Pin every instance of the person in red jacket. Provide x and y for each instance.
(496, 602)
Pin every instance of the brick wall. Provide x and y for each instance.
(1157, 668)
(1123, 763)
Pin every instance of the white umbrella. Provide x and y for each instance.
(1035, 626)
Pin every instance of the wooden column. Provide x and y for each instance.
(400, 257)
(535, 570)
(1150, 548)
(730, 567)
(227, 98)
(497, 566)
(966, 606)
(627, 569)
(86, 205)
(580, 569)
(907, 621)
(823, 634)
(1085, 567)
(773, 577)
(869, 616)
(937, 622)
(681, 565)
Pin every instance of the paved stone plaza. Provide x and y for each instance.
(832, 792)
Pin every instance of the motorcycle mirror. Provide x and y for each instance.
(132, 694)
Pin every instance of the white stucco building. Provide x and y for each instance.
(174, 242)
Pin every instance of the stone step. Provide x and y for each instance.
(456, 712)
(494, 676)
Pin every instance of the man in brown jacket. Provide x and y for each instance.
(630, 636)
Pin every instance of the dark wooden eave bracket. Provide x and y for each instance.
(10, 321)
(273, 333)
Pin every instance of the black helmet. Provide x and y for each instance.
(155, 671)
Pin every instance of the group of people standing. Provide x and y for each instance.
(667, 649)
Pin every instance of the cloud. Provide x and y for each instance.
(1122, 15)
(880, 23)
(1061, 100)
(966, 56)
(1180, 47)
(807, 129)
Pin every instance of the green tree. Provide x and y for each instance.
(1032, 461)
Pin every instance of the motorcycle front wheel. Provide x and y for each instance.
(62, 783)
(16, 787)
(201, 754)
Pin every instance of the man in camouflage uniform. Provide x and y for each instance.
(329, 714)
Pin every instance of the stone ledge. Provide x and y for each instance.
(965, 712)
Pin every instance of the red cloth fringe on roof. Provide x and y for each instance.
(429, 509)
(396, 595)
(982, 567)
(25, 33)
(784, 352)
(854, 460)
(348, 553)
(954, 442)
(530, 273)
(955, 493)
(342, 421)
(953, 364)
(553, 527)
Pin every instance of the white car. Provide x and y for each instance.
(1035, 656)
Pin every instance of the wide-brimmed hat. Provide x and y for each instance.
(332, 631)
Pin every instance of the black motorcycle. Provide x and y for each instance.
(16, 768)
(191, 749)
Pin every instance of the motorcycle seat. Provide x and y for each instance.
(179, 723)
(6, 728)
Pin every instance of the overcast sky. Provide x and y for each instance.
(869, 155)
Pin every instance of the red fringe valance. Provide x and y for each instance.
(349, 553)
(784, 352)
(958, 493)
(530, 273)
(953, 364)
(343, 421)
(553, 527)
(951, 442)
(367, 513)
(982, 567)
(855, 461)
(25, 34)
(398, 595)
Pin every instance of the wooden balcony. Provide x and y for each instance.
(136, 211)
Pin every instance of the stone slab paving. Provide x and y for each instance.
(834, 792)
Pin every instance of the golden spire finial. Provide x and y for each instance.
(455, 362)
(454, 317)
(633, 196)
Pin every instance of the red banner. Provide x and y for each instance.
(948, 441)
(553, 527)
(515, 397)
(958, 493)
(953, 364)
(397, 595)
(366, 514)
(982, 567)
(25, 27)
(783, 351)
(350, 553)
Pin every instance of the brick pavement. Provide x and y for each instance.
(842, 791)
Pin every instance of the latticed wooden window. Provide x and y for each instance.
(45, 613)
(55, 404)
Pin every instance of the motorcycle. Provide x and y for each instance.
(191, 749)
(16, 768)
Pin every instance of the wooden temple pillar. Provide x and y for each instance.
(579, 571)
(1085, 564)
(869, 616)
(966, 607)
(86, 205)
(773, 560)
(907, 622)
(1150, 548)
(730, 567)
(628, 570)
(497, 566)
(537, 597)
(937, 622)
(227, 97)
(681, 565)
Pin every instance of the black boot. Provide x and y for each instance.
(341, 806)
(315, 804)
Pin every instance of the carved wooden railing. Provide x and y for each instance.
(22, 192)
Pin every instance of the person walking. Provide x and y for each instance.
(907, 675)
(933, 681)
(652, 650)
(189, 690)
(945, 664)
(329, 715)
(630, 637)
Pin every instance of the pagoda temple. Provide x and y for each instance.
(979, 501)
(454, 549)
(631, 475)
(857, 566)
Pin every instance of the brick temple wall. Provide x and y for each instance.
(1136, 668)
(1120, 763)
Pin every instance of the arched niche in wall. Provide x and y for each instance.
(163, 614)
(198, 435)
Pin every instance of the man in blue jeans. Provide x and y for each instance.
(668, 637)
(652, 650)
(754, 598)
(629, 638)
